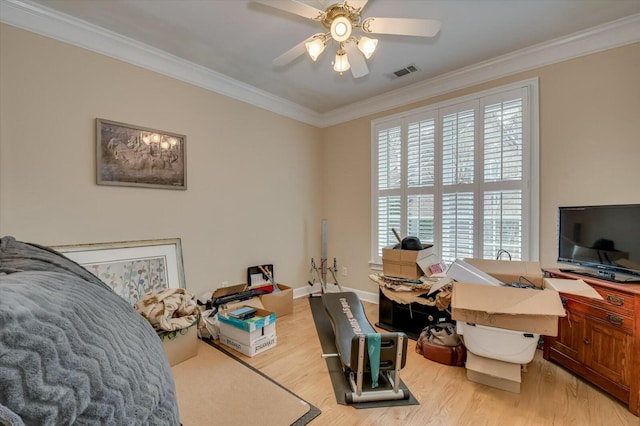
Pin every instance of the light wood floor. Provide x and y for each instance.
(549, 394)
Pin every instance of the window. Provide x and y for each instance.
(461, 175)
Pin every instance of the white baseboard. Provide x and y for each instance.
(306, 291)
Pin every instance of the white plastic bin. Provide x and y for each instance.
(498, 343)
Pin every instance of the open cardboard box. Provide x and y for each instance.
(512, 308)
(410, 264)
(246, 337)
(180, 345)
(251, 336)
(281, 302)
(262, 318)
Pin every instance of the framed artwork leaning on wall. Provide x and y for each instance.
(128, 155)
(132, 268)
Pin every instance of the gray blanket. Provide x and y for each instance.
(74, 352)
(17, 256)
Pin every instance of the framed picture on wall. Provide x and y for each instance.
(130, 155)
(132, 268)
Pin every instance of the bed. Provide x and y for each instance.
(72, 351)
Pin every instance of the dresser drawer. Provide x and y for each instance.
(615, 300)
(608, 316)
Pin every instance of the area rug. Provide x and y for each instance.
(216, 387)
(339, 378)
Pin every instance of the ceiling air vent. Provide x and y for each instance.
(404, 71)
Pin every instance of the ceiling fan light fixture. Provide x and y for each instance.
(340, 20)
(341, 62)
(367, 46)
(341, 28)
(315, 47)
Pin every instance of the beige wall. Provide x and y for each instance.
(589, 152)
(259, 184)
(253, 176)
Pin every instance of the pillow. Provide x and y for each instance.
(16, 256)
(72, 352)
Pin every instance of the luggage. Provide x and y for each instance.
(441, 343)
(447, 355)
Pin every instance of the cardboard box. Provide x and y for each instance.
(409, 264)
(180, 345)
(228, 291)
(532, 311)
(281, 302)
(246, 337)
(519, 309)
(253, 302)
(498, 374)
(262, 318)
(256, 347)
(508, 271)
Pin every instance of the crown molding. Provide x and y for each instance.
(614, 34)
(50, 23)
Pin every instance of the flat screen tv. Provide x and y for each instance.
(604, 239)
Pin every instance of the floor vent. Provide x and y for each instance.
(404, 71)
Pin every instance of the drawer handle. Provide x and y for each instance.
(615, 319)
(614, 300)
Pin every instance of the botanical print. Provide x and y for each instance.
(131, 279)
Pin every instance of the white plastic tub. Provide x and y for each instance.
(498, 343)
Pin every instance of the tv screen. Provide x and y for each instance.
(606, 238)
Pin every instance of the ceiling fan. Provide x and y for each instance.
(340, 20)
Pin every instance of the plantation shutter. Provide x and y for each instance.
(457, 176)
(420, 178)
(389, 202)
(458, 165)
(458, 142)
(503, 175)
(457, 226)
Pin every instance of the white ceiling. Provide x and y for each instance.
(239, 39)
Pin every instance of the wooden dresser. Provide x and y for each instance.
(600, 340)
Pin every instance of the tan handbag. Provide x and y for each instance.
(441, 343)
(443, 334)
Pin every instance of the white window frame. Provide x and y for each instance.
(530, 165)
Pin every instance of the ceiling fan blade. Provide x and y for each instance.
(357, 4)
(401, 26)
(293, 53)
(295, 7)
(356, 60)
